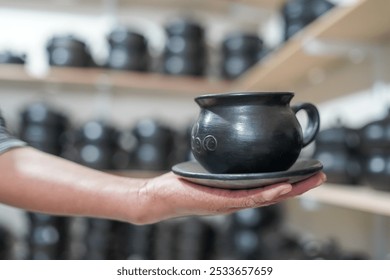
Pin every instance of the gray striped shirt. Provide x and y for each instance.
(7, 141)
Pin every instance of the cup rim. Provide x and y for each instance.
(243, 94)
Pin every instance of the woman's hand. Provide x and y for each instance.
(169, 196)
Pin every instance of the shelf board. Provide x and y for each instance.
(365, 22)
(97, 77)
(353, 197)
(221, 7)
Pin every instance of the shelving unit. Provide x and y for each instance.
(288, 67)
(220, 7)
(95, 77)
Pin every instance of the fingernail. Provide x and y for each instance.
(323, 177)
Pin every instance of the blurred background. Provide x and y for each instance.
(110, 85)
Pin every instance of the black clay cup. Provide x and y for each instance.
(250, 132)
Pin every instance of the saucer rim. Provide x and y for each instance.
(314, 167)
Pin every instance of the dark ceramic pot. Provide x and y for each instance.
(375, 153)
(127, 39)
(299, 13)
(297, 10)
(234, 66)
(375, 135)
(125, 59)
(97, 132)
(68, 51)
(340, 166)
(293, 27)
(250, 132)
(185, 28)
(338, 150)
(377, 169)
(42, 114)
(242, 43)
(10, 58)
(180, 45)
(183, 65)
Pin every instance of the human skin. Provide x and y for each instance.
(37, 181)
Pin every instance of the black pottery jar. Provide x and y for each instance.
(338, 150)
(375, 150)
(68, 51)
(240, 51)
(49, 237)
(185, 51)
(299, 13)
(128, 50)
(155, 142)
(220, 146)
(43, 128)
(96, 143)
(8, 57)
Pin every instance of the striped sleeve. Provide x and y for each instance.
(7, 141)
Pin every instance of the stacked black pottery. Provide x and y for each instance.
(240, 51)
(195, 240)
(155, 143)
(6, 240)
(44, 128)
(68, 51)
(128, 50)
(49, 237)
(96, 143)
(247, 229)
(338, 150)
(375, 153)
(8, 57)
(185, 51)
(299, 13)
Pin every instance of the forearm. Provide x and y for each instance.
(40, 182)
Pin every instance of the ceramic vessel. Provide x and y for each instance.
(250, 132)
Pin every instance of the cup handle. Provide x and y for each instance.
(313, 125)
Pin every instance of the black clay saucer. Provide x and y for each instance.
(194, 172)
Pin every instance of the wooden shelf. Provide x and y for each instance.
(221, 7)
(353, 197)
(365, 22)
(96, 77)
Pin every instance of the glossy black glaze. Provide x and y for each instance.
(184, 27)
(250, 132)
(183, 65)
(127, 39)
(122, 58)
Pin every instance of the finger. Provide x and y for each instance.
(307, 184)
